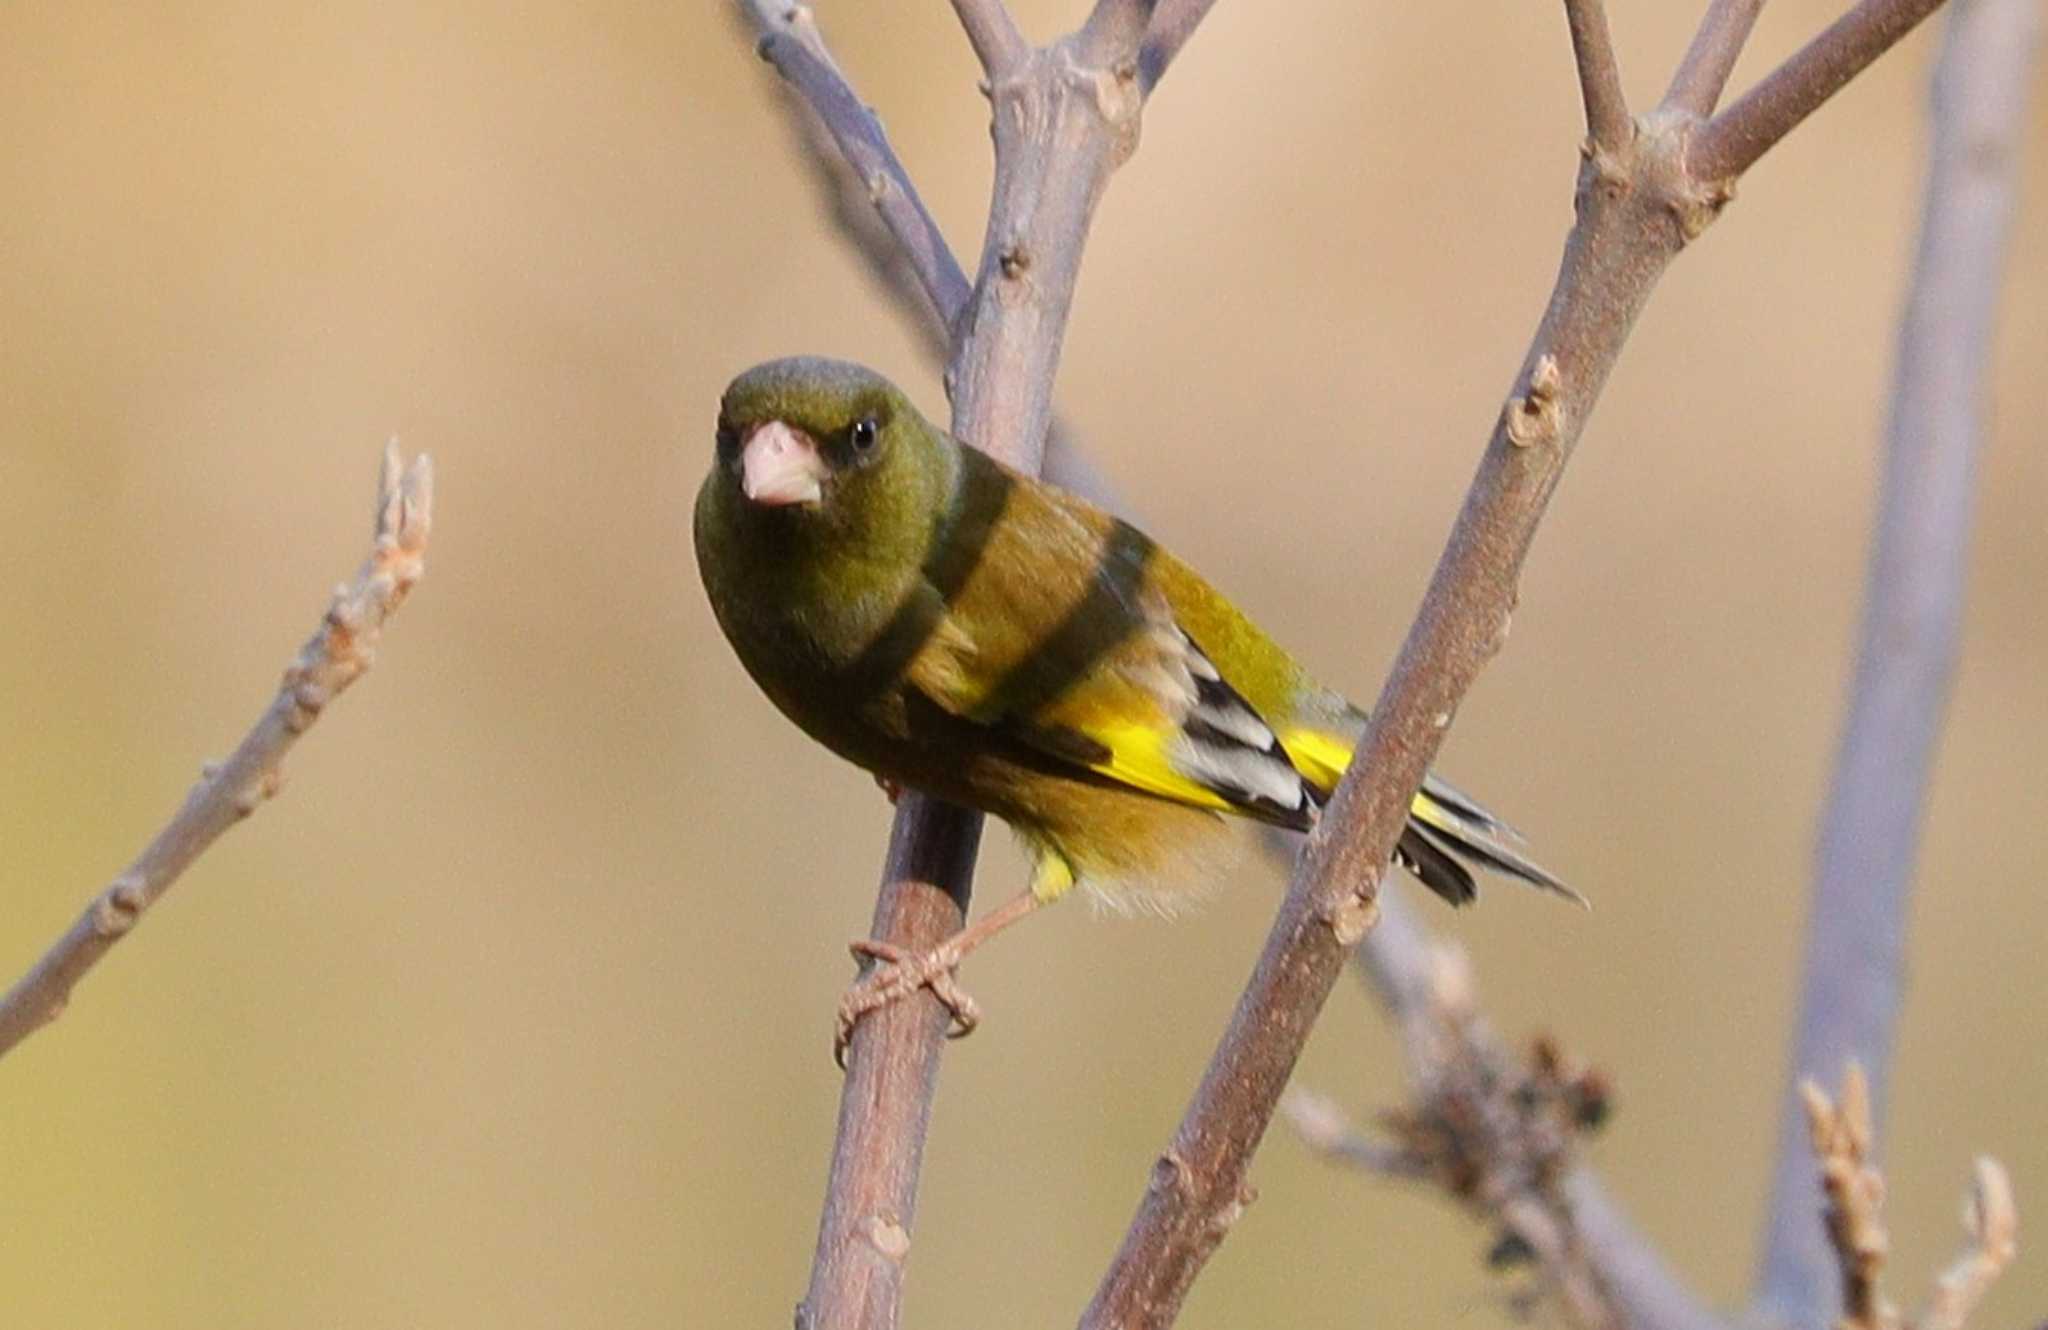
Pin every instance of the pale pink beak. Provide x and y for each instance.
(781, 466)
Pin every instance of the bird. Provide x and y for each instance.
(954, 625)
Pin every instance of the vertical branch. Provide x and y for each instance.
(1906, 654)
(1065, 116)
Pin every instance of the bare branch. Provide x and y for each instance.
(993, 35)
(1845, 1144)
(1992, 1221)
(1607, 118)
(932, 296)
(1496, 1133)
(1844, 1140)
(1637, 208)
(892, 1073)
(791, 42)
(1173, 22)
(1869, 838)
(1732, 142)
(1716, 46)
(1398, 961)
(337, 654)
(1114, 31)
(1063, 124)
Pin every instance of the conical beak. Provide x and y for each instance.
(781, 466)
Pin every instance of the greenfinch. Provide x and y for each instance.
(950, 624)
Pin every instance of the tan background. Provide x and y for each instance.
(513, 1011)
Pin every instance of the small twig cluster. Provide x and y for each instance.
(1844, 1140)
(1499, 1133)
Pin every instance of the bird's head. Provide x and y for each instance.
(829, 453)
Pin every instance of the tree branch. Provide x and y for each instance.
(1398, 960)
(1733, 141)
(337, 654)
(1637, 208)
(791, 42)
(1844, 1140)
(1173, 22)
(923, 279)
(1708, 62)
(993, 35)
(1065, 118)
(1607, 118)
(1912, 617)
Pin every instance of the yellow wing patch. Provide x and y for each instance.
(1321, 758)
(1138, 758)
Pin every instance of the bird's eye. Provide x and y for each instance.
(864, 433)
(728, 443)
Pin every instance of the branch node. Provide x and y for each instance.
(1014, 260)
(887, 1237)
(1171, 1174)
(1535, 417)
(119, 906)
(1352, 916)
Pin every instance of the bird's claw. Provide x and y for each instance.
(897, 974)
(890, 788)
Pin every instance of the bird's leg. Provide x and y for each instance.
(899, 973)
(893, 789)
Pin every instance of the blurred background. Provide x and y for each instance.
(514, 1009)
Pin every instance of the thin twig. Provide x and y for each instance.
(1869, 838)
(1637, 208)
(993, 35)
(1992, 1221)
(1716, 46)
(1607, 118)
(1396, 960)
(1732, 141)
(1173, 22)
(1496, 1133)
(1843, 1137)
(337, 654)
(791, 42)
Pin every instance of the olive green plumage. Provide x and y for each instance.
(950, 624)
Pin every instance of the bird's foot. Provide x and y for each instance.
(893, 789)
(899, 973)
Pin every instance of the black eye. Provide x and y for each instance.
(728, 443)
(863, 434)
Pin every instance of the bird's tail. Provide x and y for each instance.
(1446, 826)
(1448, 831)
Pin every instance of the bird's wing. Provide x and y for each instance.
(1060, 640)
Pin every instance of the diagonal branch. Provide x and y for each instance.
(791, 42)
(1637, 208)
(1716, 46)
(1173, 22)
(1607, 118)
(993, 35)
(337, 654)
(1733, 141)
(1912, 617)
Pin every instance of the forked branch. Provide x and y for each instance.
(1637, 208)
(337, 654)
